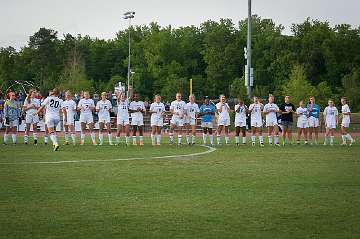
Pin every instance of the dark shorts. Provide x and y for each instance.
(287, 124)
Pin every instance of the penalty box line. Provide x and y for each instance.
(208, 151)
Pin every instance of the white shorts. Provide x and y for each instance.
(177, 121)
(330, 125)
(122, 121)
(31, 119)
(271, 123)
(345, 123)
(313, 122)
(190, 121)
(86, 118)
(137, 121)
(303, 124)
(13, 123)
(70, 120)
(208, 125)
(52, 122)
(157, 121)
(223, 121)
(256, 123)
(104, 119)
(240, 123)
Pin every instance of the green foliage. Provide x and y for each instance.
(165, 58)
(351, 83)
(238, 88)
(298, 87)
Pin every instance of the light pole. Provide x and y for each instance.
(129, 15)
(249, 75)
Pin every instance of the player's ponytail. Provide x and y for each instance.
(55, 91)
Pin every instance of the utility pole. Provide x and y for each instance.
(249, 78)
(129, 15)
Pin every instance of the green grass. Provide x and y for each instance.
(234, 192)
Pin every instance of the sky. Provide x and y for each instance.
(20, 19)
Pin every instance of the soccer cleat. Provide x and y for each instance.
(352, 141)
(141, 143)
(82, 142)
(237, 144)
(100, 143)
(134, 144)
(66, 143)
(278, 145)
(26, 143)
(158, 144)
(343, 144)
(111, 144)
(56, 147)
(35, 141)
(4, 143)
(94, 143)
(253, 143)
(262, 145)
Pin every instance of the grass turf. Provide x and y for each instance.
(234, 192)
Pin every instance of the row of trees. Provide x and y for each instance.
(316, 59)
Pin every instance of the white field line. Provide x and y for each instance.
(209, 150)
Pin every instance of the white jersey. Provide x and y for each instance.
(123, 109)
(86, 106)
(224, 114)
(52, 107)
(241, 115)
(33, 102)
(178, 107)
(345, 109)
(303, 114)
(70, 107)
(256, 112)
(135, 105)
(192, 110)
(159, 108)
(103, 108)
(271, 116)
(330, 114)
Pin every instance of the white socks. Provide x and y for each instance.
(179, 139)
(53, 139)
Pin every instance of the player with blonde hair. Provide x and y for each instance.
(255, 110)
(157, 111)
(192, 112)
(103, 107)
(69, 111)
(86, 107)
(223, 110)
(31, 105)
(345, 122)
(331, 122)
(270, 110)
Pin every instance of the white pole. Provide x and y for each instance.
(128, 76)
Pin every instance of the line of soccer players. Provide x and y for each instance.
(183, 118)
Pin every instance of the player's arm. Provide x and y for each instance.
(219, 109)
(79, 106)
(39, 110)
(97, 108)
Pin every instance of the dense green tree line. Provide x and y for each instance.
(316, 59)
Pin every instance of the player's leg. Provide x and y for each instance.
(179, 133)
(193, 132)
(306, 135)
(298, 138)
(343, 135)
(127, 133)
(261, 138)
(6, 134)
(13, 134)
(27, 132)
(187, 131)
(332, 135)
(92, 133)
(101, 135)
(205, 132)
(227, 130)
(158, 135)
(118, 133)
(82, 133)
(270, 134)
(243, 133)
(46, 135)
(276, 135)
(284, 133)
(253, 135)
(141, 135)
(71, 130)
(171, 133)
(219, 131)
(211, 136)
(289, 133)
(108, 128)
(237, 135)
(134, 131)
(327, 135)
(153, 134)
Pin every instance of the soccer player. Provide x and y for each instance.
(123, 121)
(86, 107)
(270, 110)
(157, 111)
(207, 113)
(331, 121)
(52, 105)
(240, 122)
(287, 109)
(137, 109)
(11, 115)
(103, 107)
(255, 110)
(2, 102)
(190, 120)
(314, 123)
(302, 122)
(345, 122)
(178, 111)
(69, 110)
(223, 110)
(31, 105)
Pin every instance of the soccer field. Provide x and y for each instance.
(132, 192)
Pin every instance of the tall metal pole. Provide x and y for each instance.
(129, 66)
(249, 92)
